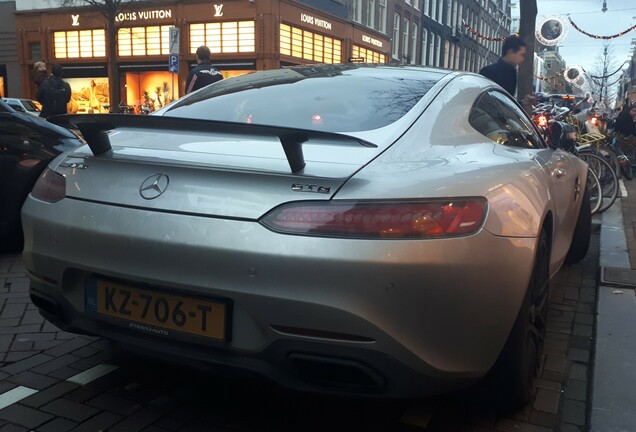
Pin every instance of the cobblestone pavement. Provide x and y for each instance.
(51, 380)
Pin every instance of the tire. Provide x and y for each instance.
(582, 232)
(606, 176)
(518, 363)
(627, 171)
(594, 191)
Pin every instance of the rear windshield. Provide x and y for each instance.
(337, 98)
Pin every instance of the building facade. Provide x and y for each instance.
(458, 34)
(627, 83)
(10, 77)
(554, 66)
(242, 35)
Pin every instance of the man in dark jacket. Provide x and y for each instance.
(204, 74)
(54, 93)
(504, 72)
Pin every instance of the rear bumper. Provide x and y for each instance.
(431, 315)
(311, 366)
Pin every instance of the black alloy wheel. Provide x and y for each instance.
(519, 362)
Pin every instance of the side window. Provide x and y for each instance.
(498, 118)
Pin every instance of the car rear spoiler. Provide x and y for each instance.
(95, 127)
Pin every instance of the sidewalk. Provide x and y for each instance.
(613, 396)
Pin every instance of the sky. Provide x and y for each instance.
(579, 49)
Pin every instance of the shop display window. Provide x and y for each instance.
(2, 94)
(368, 55)
(148, 91)
(89, 95)
(307, 45)
(223, 37)
(79, 44)
(143, 41)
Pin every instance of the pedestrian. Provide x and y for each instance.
(54, 93)
(625, 130)
(204, 73)
(39, 73)
(504, 72)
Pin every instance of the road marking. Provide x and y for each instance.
(92, 374)
(15, 395)
(623, 188)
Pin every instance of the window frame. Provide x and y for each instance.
(517, 109)
(395, 48)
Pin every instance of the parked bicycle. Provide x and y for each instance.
(550, 120)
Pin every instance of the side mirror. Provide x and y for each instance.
(19, 109)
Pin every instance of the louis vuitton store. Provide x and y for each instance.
(243, 36)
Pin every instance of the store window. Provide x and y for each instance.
(148, 91)
(89, 95)
(307, 45)
(143, 41)
(223, 37)
(368, 55)
(78, 44)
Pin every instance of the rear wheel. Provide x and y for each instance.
(518, 363)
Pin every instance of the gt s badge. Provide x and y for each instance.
(299, 187)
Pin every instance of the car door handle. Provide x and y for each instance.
(558, 172)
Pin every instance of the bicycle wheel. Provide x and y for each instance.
(606, 176)
(626, 169)
(594, 188)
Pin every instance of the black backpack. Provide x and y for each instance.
(57, 97)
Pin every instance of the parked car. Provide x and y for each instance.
(26, 106)
(27, 145)
(340, 228)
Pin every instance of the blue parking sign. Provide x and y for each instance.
(173, 63)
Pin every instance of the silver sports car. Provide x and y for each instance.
(368, 230)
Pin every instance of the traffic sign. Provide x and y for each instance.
(173, 63)
(174, 40)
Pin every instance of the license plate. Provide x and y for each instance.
(157, 309)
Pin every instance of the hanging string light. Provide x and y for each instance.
(558, 75)
(600, 84)
(481, 36)
(598, 36)
(610, 75)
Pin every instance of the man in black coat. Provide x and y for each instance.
(204, 73)
(54, 93)
(504, 72)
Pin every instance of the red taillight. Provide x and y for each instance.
(541, 120)
(379, 220)
(50, 187)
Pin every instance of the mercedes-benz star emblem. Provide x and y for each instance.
(154, 186)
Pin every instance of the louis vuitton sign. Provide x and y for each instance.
(144, 15)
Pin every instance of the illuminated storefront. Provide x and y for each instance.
(242, 37)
